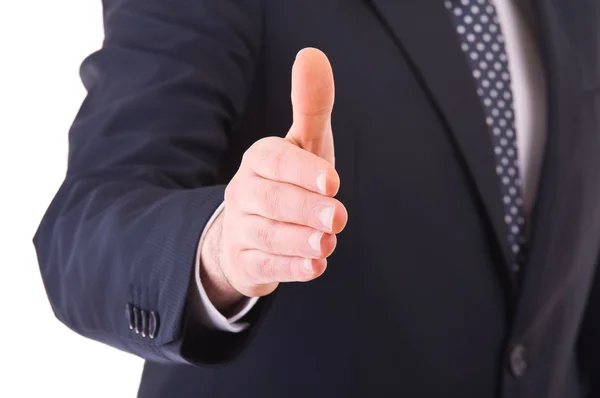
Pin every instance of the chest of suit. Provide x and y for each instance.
(420, 276)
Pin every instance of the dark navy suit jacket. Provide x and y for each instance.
(418, 299)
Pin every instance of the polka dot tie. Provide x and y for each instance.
(483, 43)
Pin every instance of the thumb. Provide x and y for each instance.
(312, 102)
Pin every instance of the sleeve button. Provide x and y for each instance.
(129, 315)
(153, 324)
(136, 319)
(144, 323)
(518, 361)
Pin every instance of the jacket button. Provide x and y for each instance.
(129, 316)
(144, 323)
(518, 361)
(136, 319)
(152, 324)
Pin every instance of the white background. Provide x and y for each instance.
(42, 44)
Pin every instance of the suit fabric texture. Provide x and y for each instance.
(418, 299)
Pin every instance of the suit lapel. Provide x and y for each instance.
(424, 32)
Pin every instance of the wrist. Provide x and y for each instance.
(216, 285)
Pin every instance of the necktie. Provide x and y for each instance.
(483, 44)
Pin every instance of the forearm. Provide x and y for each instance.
(107, 243)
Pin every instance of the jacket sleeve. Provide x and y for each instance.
(119, 239)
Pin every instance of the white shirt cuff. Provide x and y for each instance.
(208, 314)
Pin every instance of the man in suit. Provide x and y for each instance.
(463, 154)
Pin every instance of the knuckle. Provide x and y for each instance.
(278, 161)
(287, 268)
(266, 267)
(259, 151)
(259, 145)
(267, 141)
(265, 146)
(277, 164)
(306, 210)
(272, 200)
(263, 236)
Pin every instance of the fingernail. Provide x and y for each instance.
(326, 217)
(307, 264)
(321, 183)
(314, 241)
